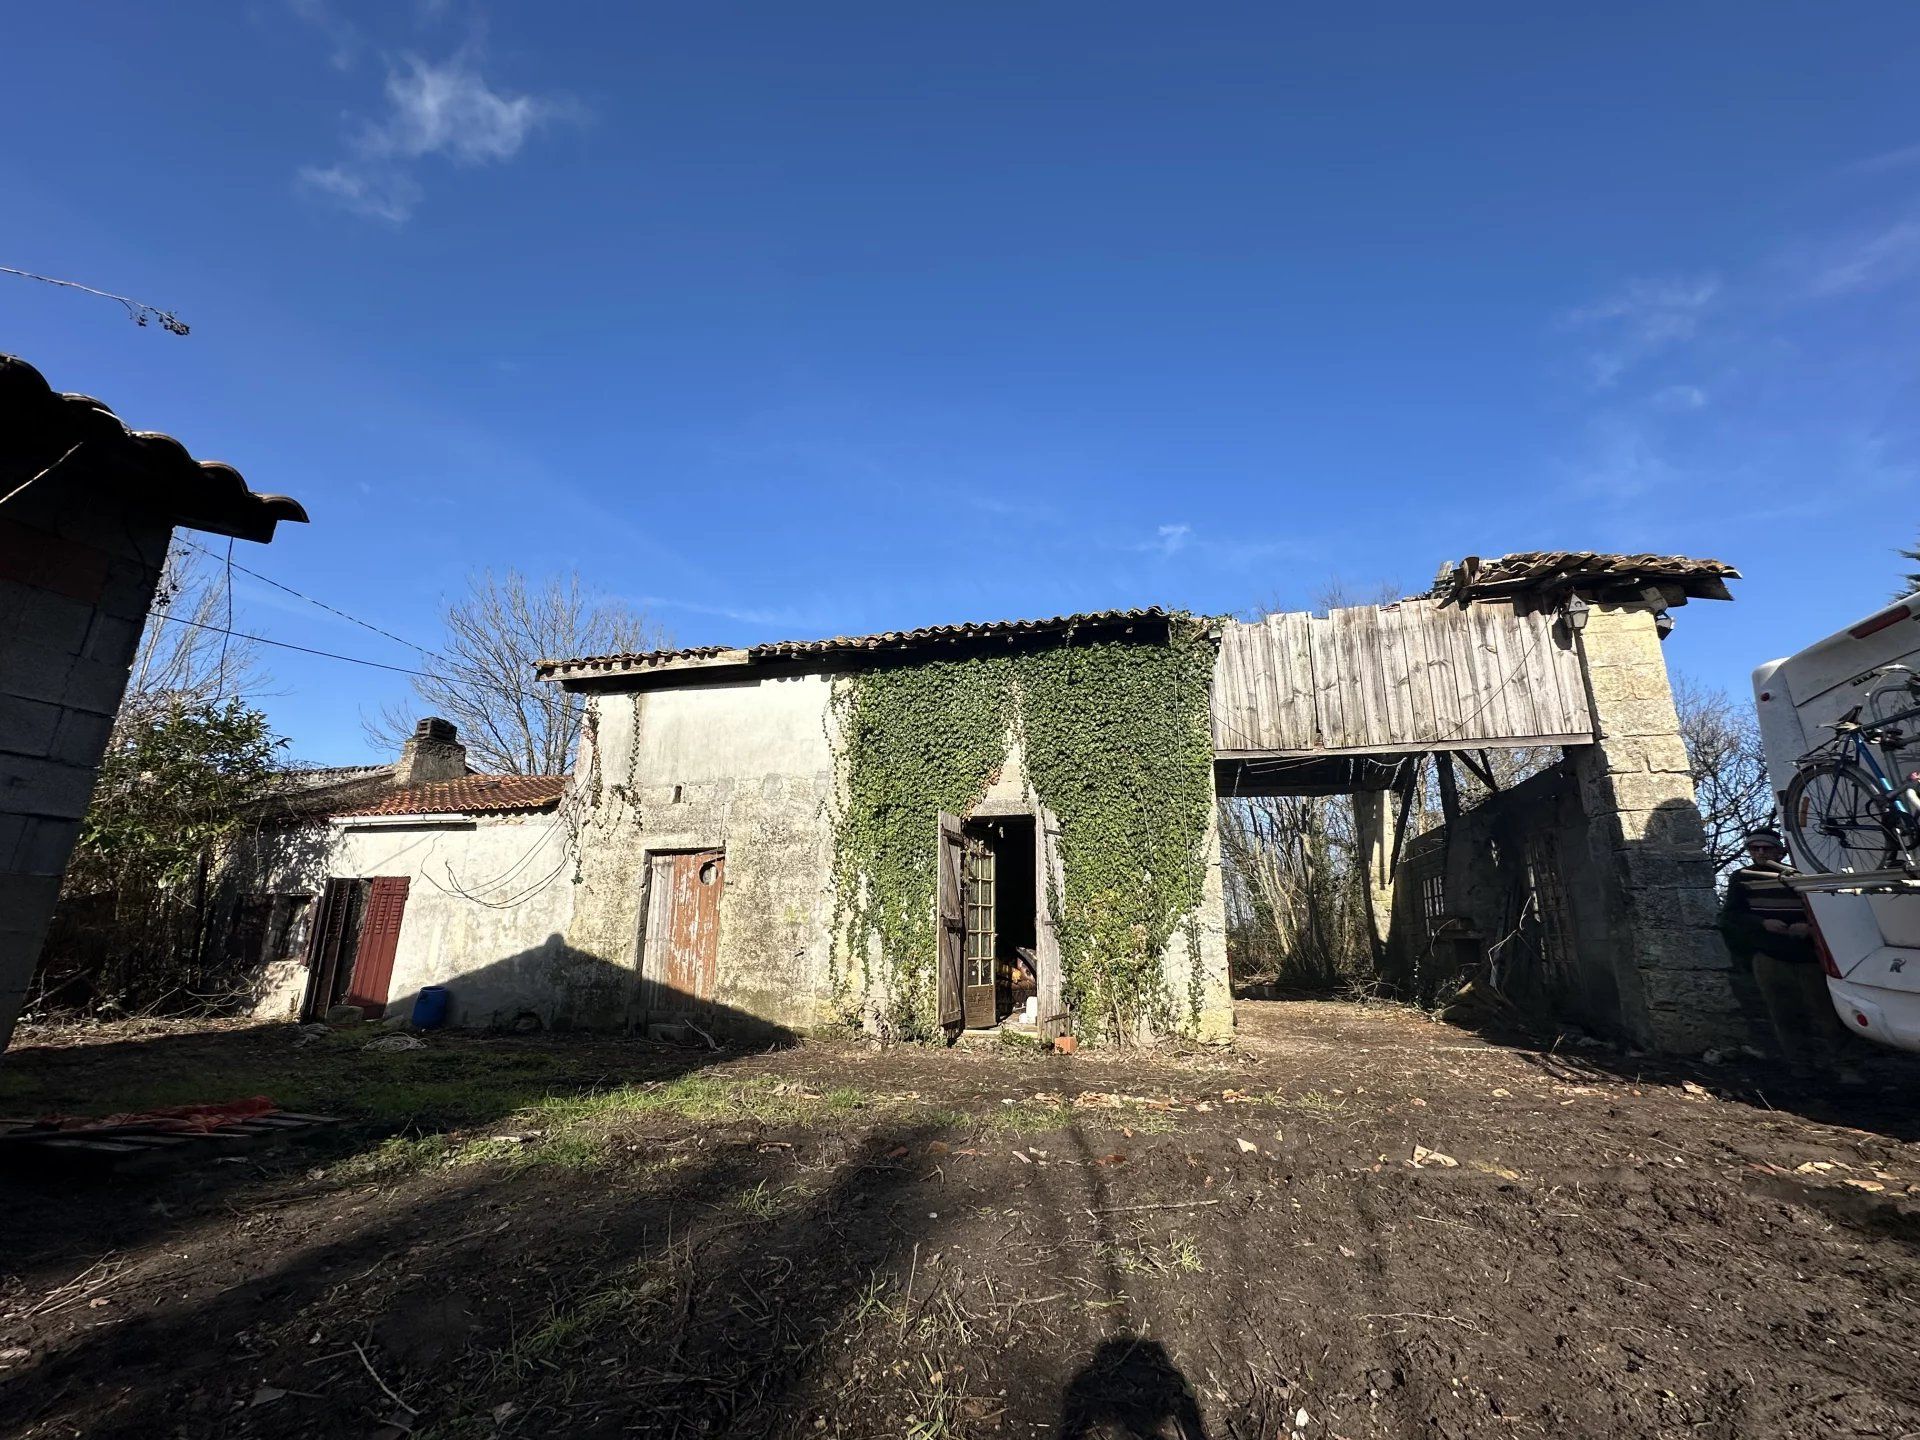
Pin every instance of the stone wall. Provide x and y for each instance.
(76, 581)
(1647, 843)
(1623, 940)
(747, 766)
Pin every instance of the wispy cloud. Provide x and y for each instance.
(1866, 261)
(343, 37)
(435, 111)
(1678, 399)
(1170, 539)
(786, 616)
(1641, 319)
(1901, 159)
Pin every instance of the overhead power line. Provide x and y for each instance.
(289, 645)
(302, 595)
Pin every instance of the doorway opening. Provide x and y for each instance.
(356, 933)
(998, 880)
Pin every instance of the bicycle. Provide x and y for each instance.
(1850, 806)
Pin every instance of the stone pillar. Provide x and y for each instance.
(76, 580)
(1670, 966)
(1373, 820)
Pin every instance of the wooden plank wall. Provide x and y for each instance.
(1406, 677)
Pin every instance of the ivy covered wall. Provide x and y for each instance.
(1112, 735)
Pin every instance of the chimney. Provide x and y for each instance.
(433, 752)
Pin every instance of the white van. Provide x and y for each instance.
(1868, 930)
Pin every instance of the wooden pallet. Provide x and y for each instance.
(28, 1146)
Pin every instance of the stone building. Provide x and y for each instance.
(87, 511)
(969, 827)
(715, 785)
(360, 885)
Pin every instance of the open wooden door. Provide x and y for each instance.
(336, 931)
(1054, 1019)
(951, 933)
(379, 938)
(681, 955)
(981, 891)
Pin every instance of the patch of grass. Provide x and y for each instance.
(708, 1100)
(1140, 1256)
(623, 1309)
(399, 1155)
(1028, 1117)
(761, 1202)
(1314, 1103)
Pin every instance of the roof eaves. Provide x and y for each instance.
(196, 494)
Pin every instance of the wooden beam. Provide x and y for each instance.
(1449, 788)
(1416, 747)
(1481, 768)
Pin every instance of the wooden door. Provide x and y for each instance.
(379, 938)
(980, 879)
(1047, 878)
(681, 952)
(951, 932)
(335, 930)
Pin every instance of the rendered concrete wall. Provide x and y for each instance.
(1648, 846)
(741, 767)
(488, 905)
(76, 581)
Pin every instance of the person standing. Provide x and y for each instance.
(1765, 922)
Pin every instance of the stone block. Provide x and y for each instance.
(1676, 949)
(44, 787)
(1644, 790)
(81, 738)
(32, 671)
(1622, 718)
(58, 621)
(26, 902)
(130, 587)
(43, 846)
(28, 727)
(95, 686)
(113, 639)
(1657, 754)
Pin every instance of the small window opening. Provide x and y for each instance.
(676, 795)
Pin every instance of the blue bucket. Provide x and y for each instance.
(430, 1010)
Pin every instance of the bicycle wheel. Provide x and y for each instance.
(1834, 813)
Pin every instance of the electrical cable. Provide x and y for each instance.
(288, 645)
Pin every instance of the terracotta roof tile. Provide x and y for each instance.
(1581, 569)
(927, 636)
(198, 494)
(473, 795)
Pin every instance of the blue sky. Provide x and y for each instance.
(793, 320)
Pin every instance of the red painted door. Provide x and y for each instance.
(379, 936)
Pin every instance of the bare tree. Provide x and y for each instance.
(483, 674)
(1729, 768)
(183, 658)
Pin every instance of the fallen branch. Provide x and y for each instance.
(381, 1383)
(1168, 1205)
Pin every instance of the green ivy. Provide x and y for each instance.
(1117, 746)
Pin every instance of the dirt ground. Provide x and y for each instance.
(1358, 1223)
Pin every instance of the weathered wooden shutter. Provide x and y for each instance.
(323, 958)
(379, 938)
(952, 930)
